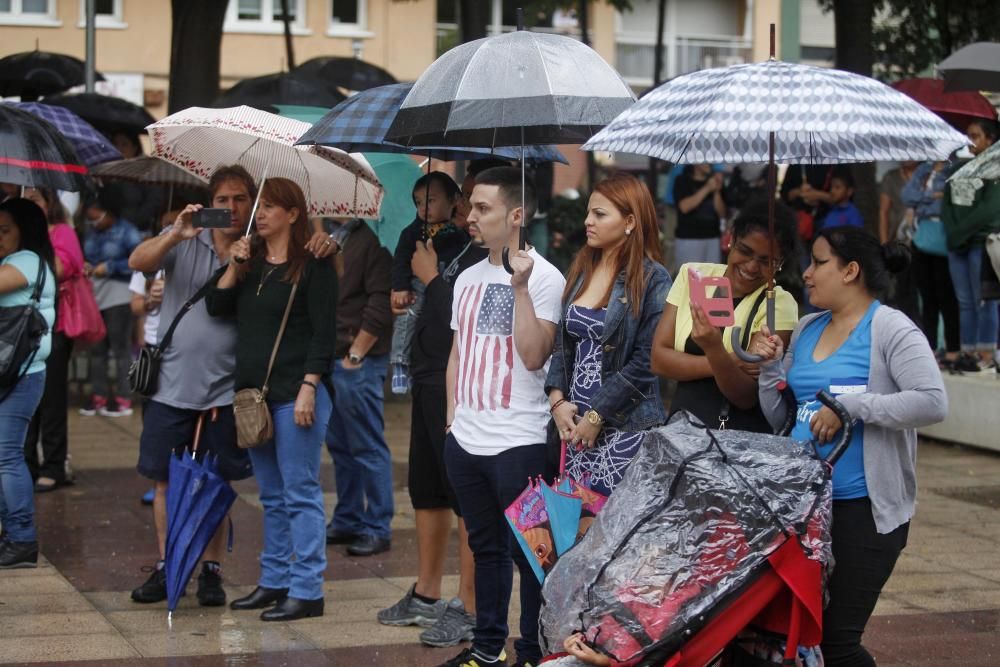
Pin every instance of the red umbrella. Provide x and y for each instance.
(958, 108)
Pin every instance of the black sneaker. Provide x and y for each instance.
(155, 588)
(18, 555)
(470, 658)
(210, 593)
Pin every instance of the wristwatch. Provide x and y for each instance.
(593, 418)
(354, 358)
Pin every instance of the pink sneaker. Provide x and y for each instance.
(119, 407)
(96, 404)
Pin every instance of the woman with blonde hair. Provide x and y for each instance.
(601, 390)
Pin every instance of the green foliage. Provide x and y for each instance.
(566, 218)
(911, 36)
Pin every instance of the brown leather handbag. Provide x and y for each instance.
(254, 425)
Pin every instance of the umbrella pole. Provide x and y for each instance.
(521, 236)
(256, 201)
(772, 186)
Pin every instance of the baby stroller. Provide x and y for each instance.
(709, 533)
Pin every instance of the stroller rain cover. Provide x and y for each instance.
(689, 528)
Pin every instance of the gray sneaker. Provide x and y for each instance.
(412, 611)
(454, 626)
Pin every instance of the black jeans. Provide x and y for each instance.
(863, 561)
(118, 320)
(485, 486)
(937, 298)
(49, 420)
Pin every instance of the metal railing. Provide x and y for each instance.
(635, 55)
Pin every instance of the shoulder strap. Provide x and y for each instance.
(751, 317)
(277, 341)
(188, 305)
(36, 293)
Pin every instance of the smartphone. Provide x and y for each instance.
(213, 218)
(715, 296)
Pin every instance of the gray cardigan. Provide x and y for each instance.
(905, 391)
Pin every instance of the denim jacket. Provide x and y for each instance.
(629, 397)
(915, 194)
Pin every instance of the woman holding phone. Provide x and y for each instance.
(256, 289)
(712, 383)
(601, 392)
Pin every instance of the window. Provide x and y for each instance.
(264, 16)
(29, 12)
(107, 12)
(348, 18)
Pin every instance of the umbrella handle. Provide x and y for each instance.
(738, 344)
(505, 255)
(846, 421)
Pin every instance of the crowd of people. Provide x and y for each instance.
(314, 316)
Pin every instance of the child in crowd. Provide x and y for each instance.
(435, 195)
(842, 211)
(147, 295)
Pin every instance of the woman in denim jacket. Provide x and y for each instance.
(601, 390)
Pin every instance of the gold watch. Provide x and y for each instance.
(593, 418)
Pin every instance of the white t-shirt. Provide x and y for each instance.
(138, 286)
(499, 404)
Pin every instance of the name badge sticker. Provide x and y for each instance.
(841, 386)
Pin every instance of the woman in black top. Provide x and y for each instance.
(256, 292)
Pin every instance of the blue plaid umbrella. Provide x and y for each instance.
(359, 124)
(91, 146)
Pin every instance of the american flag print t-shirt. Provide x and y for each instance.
(499, 403)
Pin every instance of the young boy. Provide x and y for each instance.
(842, 211)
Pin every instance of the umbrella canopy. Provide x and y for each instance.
(31, 74)
(360, 123)
(200, 140)
(108, 114)
(347, 73)
(958, 108)
(398, 174)
(974, 67)
(91, 146)
(33, 153)
(512, 89)
(969, 180)
(262, 92)
(147, 171)
(305, 113)
(816, 115)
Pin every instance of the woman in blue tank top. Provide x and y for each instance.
(876, 362)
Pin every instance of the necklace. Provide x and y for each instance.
(264, 277)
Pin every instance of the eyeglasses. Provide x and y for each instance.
(762, 260)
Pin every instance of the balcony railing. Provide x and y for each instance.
(447, 34)
(634, 55)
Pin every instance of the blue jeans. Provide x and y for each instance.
(361, 460)
(977, 318)
(17, 492)
(485, 486)
(287, 471)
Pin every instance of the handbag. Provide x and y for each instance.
(144, 373)
(930, 237)
(78, 315)
(21, 331)
(254, 425)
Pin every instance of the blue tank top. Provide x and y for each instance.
(846, 371)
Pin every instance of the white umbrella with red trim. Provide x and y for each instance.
(200, 140)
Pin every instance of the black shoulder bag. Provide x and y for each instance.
(21, 331)
(144, 373)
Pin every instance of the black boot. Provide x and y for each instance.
(260, 597)
(16, 555)
(291, 609)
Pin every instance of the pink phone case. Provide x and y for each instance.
(715, 296)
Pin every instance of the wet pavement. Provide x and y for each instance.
(941, 607)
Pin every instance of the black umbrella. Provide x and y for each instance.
(263, 92)
(975, 67)
(34, 154)
(108, 114)
(31, 74)
(347, 73)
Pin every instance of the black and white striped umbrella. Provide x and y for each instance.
(817, 115)
(518, 88)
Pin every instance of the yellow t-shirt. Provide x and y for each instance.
(786, 310)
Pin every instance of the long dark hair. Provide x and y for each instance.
(288, 195)
(877, 262)
(631, 197)
(33, 228)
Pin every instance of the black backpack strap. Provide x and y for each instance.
(36, 293)
(188, 305)
(753, 315)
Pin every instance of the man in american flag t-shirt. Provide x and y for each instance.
(505, 328)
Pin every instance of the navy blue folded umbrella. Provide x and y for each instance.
(91, 146)
(359, 124)
(198, 499)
